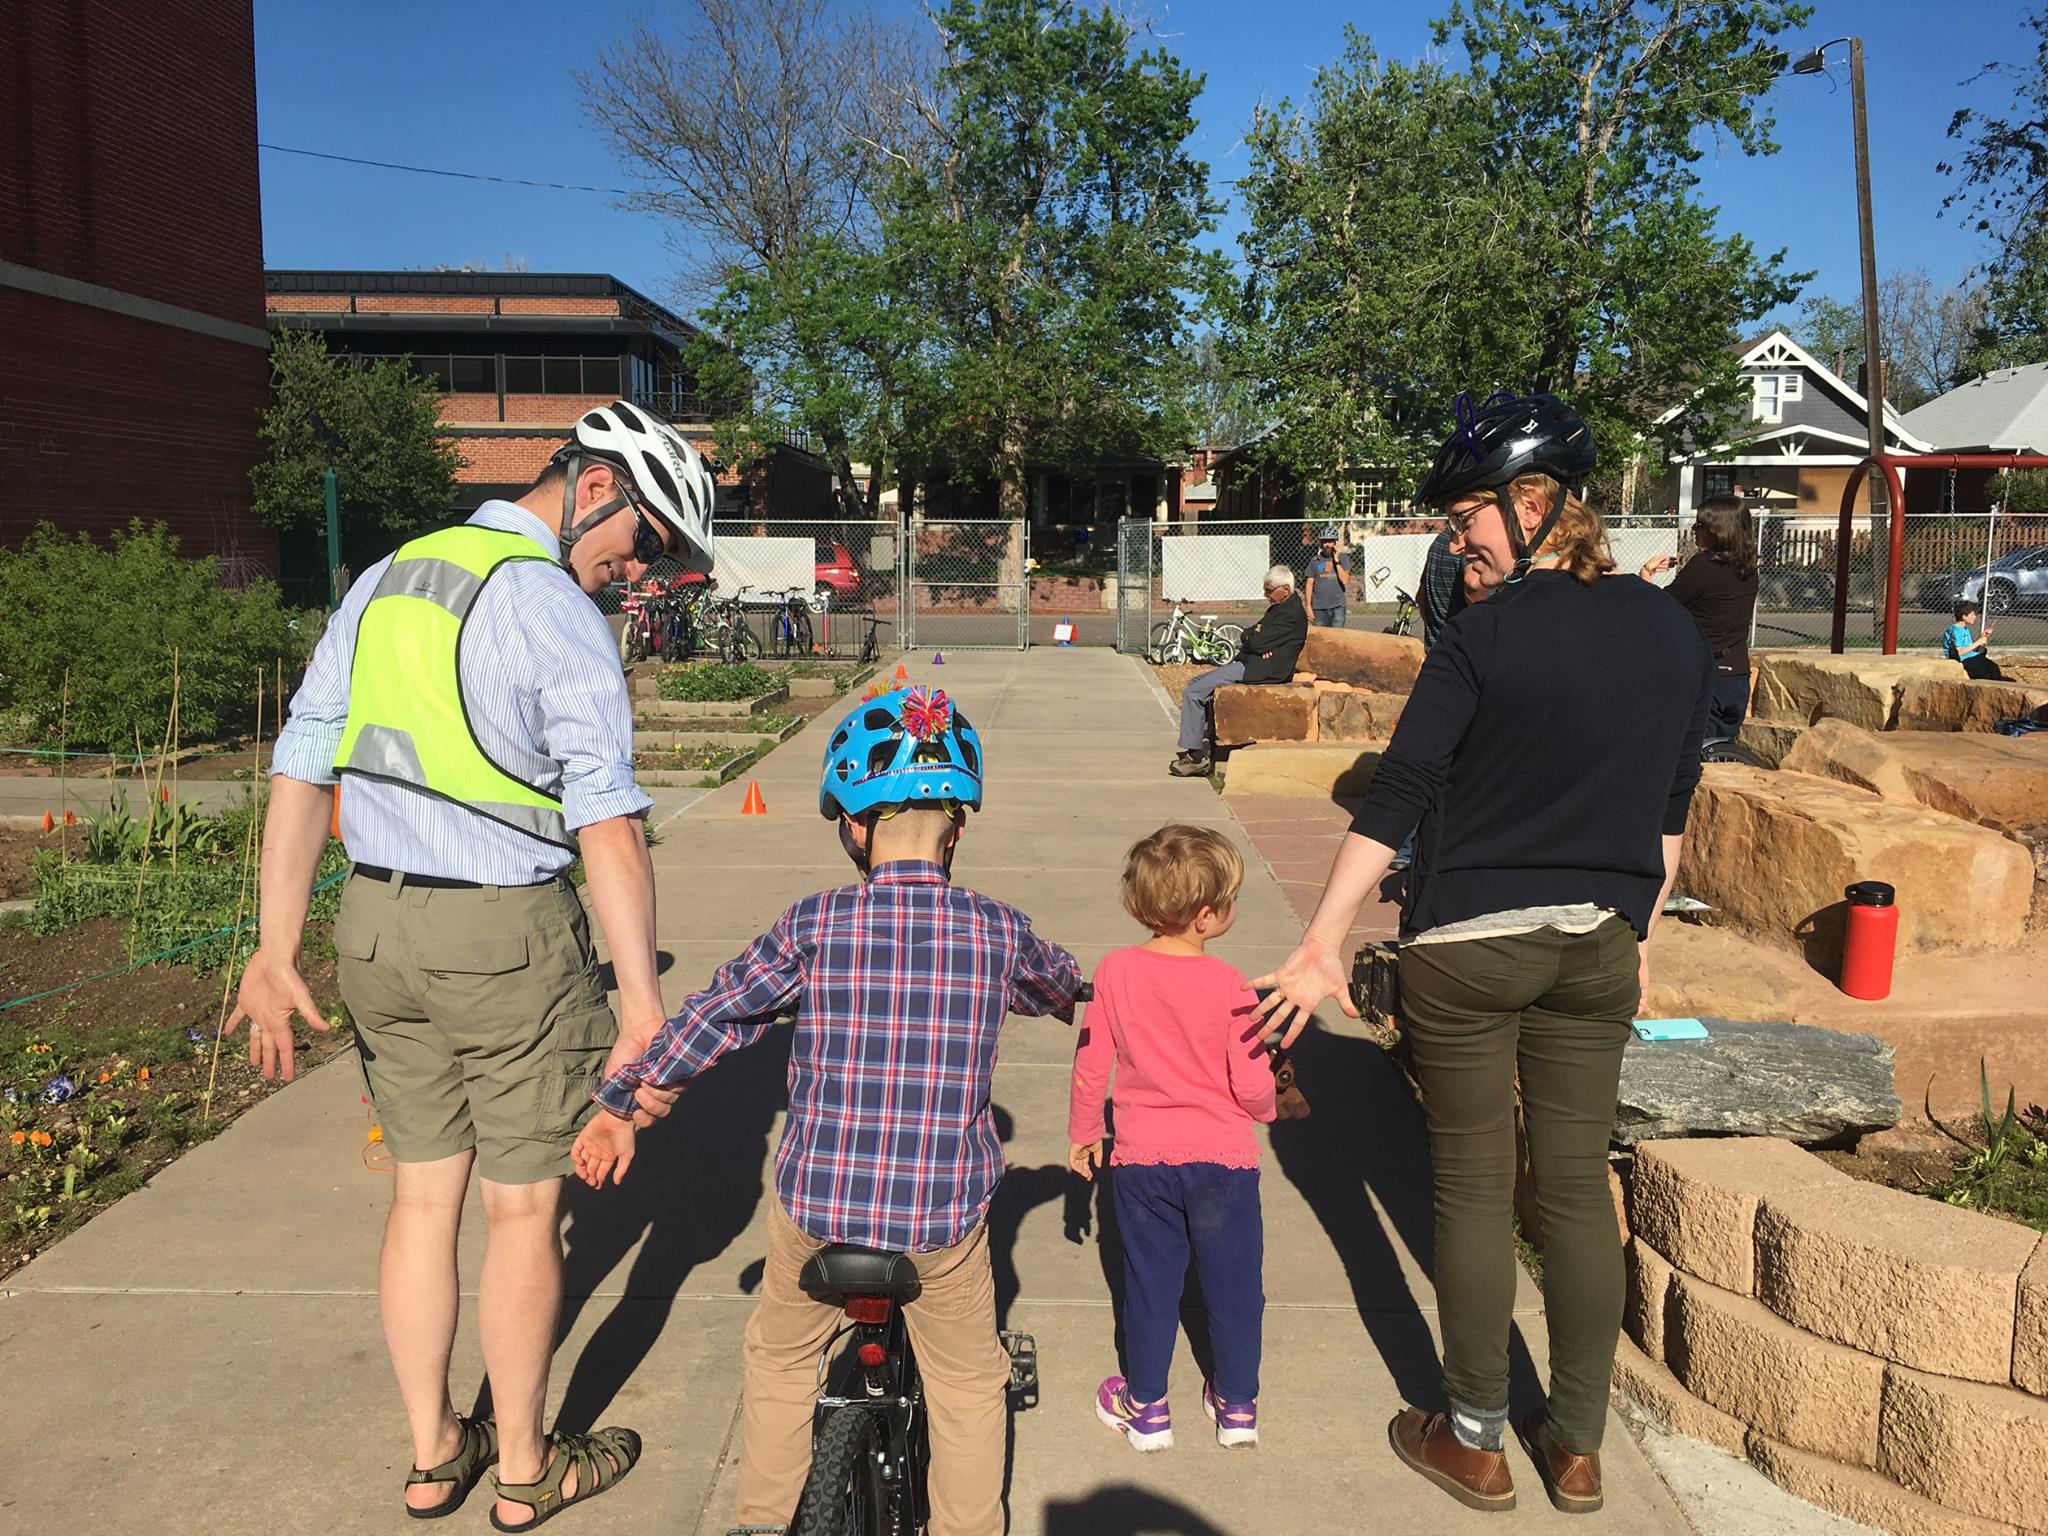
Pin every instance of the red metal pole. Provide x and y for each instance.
(1842, 537)
(1895, 492)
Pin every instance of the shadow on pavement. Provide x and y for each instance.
(1127, 1511)
(695, 1185)
(1367, 1135)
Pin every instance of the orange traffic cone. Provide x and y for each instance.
(71, 818)
(164, 794)
(49, 821)
(755, 805)
(902, 676)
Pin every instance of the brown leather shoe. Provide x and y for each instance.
(1427, 1443)
(1571, 1480)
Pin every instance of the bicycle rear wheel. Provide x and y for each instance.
(844, 1495)
(1164, 645)
(800, 632)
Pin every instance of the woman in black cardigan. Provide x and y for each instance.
(1549, 753)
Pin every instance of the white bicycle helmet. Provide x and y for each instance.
(666, 475)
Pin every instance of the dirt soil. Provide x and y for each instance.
(15, 850)
(1908, 1157)
(133, 1029)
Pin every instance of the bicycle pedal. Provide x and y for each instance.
(1023, 1352)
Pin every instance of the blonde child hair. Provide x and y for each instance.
(1178, 870)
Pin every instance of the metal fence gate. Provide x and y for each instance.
(967, 585)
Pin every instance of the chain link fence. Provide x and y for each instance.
(968, 584)
(1216, 569)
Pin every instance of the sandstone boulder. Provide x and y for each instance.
(1363, 658)
(1800, 687)
(1264, 712)
(1340, 771)
(1771, 853)
(1351, 714)
(1953, 702)
(1996, 781)
(1769, 742)
(1812, 1086)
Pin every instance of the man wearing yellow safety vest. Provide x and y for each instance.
(470, 693)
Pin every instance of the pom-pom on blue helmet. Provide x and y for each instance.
(897, 748)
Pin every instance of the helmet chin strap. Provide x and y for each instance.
(1525, 549)
(572, 529)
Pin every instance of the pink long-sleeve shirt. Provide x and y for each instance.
(1189, 1085)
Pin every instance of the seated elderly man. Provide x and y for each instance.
(1267, 656)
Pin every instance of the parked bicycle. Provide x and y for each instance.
(1404, 613)
(1182, 638)
(793, 622)
(870, 1437)
(870, 645)
(725, 626)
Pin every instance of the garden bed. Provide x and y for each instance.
(111, 990)
(137, 1049)
(705, 764)
(1993, 1163)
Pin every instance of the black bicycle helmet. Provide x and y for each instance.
(1503, 438)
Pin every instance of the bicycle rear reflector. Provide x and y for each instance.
(868, 1309)
(872, 1355)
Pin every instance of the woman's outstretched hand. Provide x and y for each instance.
(1289, 995)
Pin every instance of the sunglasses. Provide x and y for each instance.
(650, 540)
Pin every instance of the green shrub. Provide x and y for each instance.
(112, 617)
(715, 684)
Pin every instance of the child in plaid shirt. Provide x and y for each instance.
(902, 983)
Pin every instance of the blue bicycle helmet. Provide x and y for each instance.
(900, 747)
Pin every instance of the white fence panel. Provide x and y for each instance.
(1214, 568)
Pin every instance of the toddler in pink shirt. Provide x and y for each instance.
(1191, 1080)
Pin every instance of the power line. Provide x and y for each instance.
(428, 170)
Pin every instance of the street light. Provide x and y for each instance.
(1814, 63)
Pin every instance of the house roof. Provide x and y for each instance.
(1777, 347)
(2004, 410)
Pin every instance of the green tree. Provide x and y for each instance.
(1052, 218)
(1929, 335)
(394, 469)
(1529, 222)
(106, 622)
(2002, 188)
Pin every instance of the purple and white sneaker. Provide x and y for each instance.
(1148, 1426)
(1236, 1423)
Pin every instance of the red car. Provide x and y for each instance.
(836, 574)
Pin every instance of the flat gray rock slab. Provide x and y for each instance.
(1798, 1081)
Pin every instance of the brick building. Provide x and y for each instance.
(133, 363)
(520, 355)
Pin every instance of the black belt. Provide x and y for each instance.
(428, 882)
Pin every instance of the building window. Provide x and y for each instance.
(1768, 407)
(522, 376)
(562, 375)
(1718, 482)
(1790, 386)
(1372, 496)
(601, 376)
(473, 375)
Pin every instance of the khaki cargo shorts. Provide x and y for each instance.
(481, 1018)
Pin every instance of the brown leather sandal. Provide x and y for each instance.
(601, 1460)
(465, 1469)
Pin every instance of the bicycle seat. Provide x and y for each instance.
(840, 1270)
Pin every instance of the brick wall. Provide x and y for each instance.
(109, 108)
(551, 410)
(456, 409)
(421, 304)
(110, 417)
(306, 303)
(546, 306)
(504, 460)
(107, 111)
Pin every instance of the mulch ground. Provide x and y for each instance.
(16, 848)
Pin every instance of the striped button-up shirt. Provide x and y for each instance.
(540, 675)
(900, 985)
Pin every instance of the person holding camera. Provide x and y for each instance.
(1549, 752)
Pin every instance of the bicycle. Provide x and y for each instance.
(732, 641)
(870, 1438)
(1404, 614)
(793, 623)
(1183, 639)
(870, 645)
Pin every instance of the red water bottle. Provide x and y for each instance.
(1872, 940)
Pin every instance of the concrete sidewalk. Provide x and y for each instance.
(206, 1356)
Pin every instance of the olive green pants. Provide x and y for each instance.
(1554, 1010)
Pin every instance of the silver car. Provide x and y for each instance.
(2017, 580)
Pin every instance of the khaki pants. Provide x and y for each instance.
(966, 1378)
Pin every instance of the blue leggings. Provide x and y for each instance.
(1164, 1212)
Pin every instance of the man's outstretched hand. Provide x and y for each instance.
(272, 991)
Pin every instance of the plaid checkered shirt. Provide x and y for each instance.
(901, 986)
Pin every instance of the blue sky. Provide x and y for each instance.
(485, 87)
